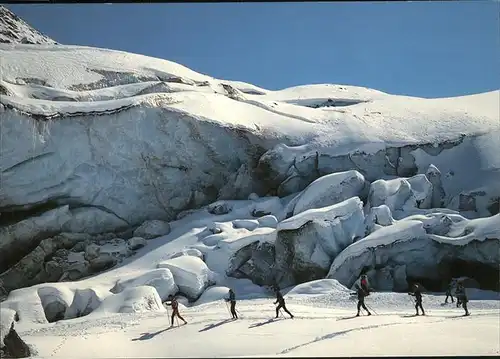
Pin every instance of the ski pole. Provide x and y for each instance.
(371, 309)
(229, 310)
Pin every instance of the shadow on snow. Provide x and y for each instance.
(212, 326)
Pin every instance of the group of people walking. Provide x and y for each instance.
(362, 291)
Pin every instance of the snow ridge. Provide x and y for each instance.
(14, 30)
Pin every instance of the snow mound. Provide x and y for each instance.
(337, 210)
(401, 194)
(317, 287)
(268, 221)
(249, 224)
(161, 279)
(85, 301)
(330, 189)
(213, 294)
(131, 300)
(55, 301)
(188, 252)
(190, 274)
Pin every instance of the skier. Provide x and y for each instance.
(448, 292)
(462, 297)
(362, 291)
(232, 300)
(175, 309)
(281, 301)
(417, 293)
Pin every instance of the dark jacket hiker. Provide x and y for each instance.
(281, 303)
(417, 293)
(232, 300)
(462, 297)
(448, 292)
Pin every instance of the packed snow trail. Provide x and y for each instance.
(315, 331)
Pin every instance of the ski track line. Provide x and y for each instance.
(345, 332)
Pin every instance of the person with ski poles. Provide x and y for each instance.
(362, 291)
(175, 309)
(281, 303)
(448, 292)
(232, 300)
(417, 293)
(462, 296)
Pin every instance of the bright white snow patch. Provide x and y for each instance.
(131, 300)
(161, 279)
(190, 273)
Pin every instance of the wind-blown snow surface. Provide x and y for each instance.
(323, 326)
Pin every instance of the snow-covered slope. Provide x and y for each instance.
(14, 30)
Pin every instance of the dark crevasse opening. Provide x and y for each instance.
(483, 276)
(486, 276)
(10, 217)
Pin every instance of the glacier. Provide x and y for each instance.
(126, 178)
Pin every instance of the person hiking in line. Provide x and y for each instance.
(417, 293)
(362, 292)
(175, 309)
(281, 301)
(232, 300)
(448, 292)
(462, 296)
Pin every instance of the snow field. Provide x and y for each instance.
(315, 331)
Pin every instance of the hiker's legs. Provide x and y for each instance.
(233, 309)
(278, 310)
(286, 310)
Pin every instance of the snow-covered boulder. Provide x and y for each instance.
(317, 287)
(131, 300)
(190, 273)
(401, 195)
(307, 243)
(136, 243)
(268, 221)
(17, 239)
(152, 229)
(438, 194)
(377, 217)
(85, 301)
(161, 279)
(213, 294)
(55, 301)
(249, 224)
(422, 190)
(408, 249)
(188, 252)
(331, 189)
